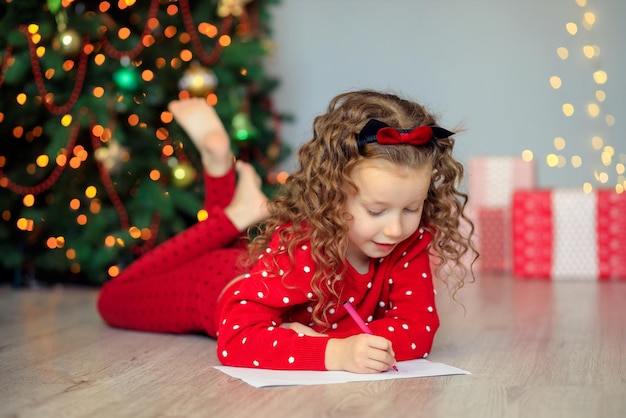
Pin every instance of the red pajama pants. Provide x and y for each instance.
(174, 287)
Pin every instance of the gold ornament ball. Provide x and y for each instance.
(273, 152)
(231, 7)
(183, 174)
(198, 80)
(112, 156)
(268, 46)
(68, 42)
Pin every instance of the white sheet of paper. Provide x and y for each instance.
(406, 369)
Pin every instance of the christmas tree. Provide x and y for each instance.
(93, 170)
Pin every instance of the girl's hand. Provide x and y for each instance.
(361, 353)
(301, 329)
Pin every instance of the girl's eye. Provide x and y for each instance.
(374, 212)
(412, 210)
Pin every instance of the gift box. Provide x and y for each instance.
(568, 234)
(493, 239)
(492, 182)
(493, 179)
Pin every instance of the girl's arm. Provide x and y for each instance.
(253, 331)
(362, 353)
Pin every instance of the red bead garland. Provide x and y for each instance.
(52, 178)
(185, 10)
(39, 81)
(119, 205)
(108, 185)
(5, 62)
(195, 38)
(137, 49)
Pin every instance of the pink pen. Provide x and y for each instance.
(360, 322)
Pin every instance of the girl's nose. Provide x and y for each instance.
(393, 228)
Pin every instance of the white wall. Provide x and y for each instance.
(484, 64)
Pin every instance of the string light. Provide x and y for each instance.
(594, 110)
(202, 215)
(527, 155)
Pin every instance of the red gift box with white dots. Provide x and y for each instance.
(493, 239)
(565, 234)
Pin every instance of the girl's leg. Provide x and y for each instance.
(189, 271)
(222, 229)
(181, 300)
(216, 232)
(207, 132)
(203, 126)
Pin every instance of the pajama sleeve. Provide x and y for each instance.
(252, 312)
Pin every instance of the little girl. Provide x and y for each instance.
(374, 202)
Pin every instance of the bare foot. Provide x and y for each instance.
(207, 132)
(249, 204)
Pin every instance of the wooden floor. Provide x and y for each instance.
(535, 348)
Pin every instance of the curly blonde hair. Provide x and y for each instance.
(311, 207)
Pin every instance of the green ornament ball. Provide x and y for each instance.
(127, 78)
(242, 127)
(54, 6)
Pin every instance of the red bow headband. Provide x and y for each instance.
(377, 131)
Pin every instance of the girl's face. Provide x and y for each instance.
(386, 210)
